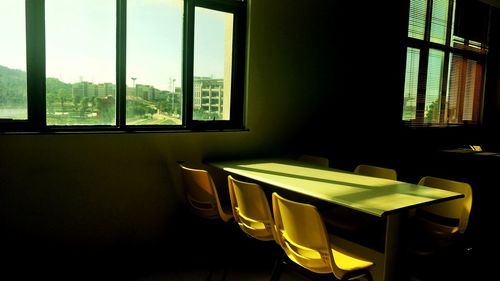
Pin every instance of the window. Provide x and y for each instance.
(154, 62)
(122, 65)
(13, 85)
(212, 64)
(80, 62)
(445, 59)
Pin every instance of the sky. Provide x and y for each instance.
(81, 46)
(12, 28)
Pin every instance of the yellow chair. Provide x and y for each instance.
(251, 209)
(451, 216)
(313, 159)
(439, 226)
(252, 213)
(204, 202)
(435, 235)
(375, 171)
(353, 224)
(303, 237)
(201, 194)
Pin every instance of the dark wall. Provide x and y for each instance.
(492, 86)
(360, 108)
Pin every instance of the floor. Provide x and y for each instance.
(194, 255)
(248, 259)
(256, 275)
(244, 259)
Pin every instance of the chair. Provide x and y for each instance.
(313, 159)
(251, 209)
(375, 171)
(451, 216)
(252, 213)
(203, 199)
(303, 237)
(436, 233)
(201, 194)
(354, 224)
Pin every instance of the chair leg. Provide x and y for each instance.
(278, 268)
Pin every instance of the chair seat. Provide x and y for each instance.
(350, 263)
(426, 238)
(261, 230)
(311, 259)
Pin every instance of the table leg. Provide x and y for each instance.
(392, 231)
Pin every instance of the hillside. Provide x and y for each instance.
(12, 87)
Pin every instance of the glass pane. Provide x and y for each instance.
(454, 89)
(465, 90)
(213, 37)
(80, 62)
(416, 27)
(472, 90)
(411, 84)
(434, 85)
(13, 98)
(154, 62)
(439, 23)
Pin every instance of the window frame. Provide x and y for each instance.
(36, 73)
(238, 63)
(425, 45)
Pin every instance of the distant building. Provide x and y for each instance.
(106, 89)
(80, 90)
(146, 92)
(88, 90)
(208, 95)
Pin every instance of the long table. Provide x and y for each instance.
(379, 197)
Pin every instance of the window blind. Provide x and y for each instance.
(418, 12)
(411, 84)
(439, 22)
(434, 86)
(444, 83)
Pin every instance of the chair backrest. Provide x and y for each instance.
(304, 238)
(313, 159)
(375, 171)
(457, 209)
(251, 209)
(302, 234)
(201, 194)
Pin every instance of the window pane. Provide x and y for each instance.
(154, 62)
(472, 90)
(439, 22)
(411, 84)
(465, 89)
(80, 62)
(213, 37)
(13, 98)
(416, 27)
(434, 86)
